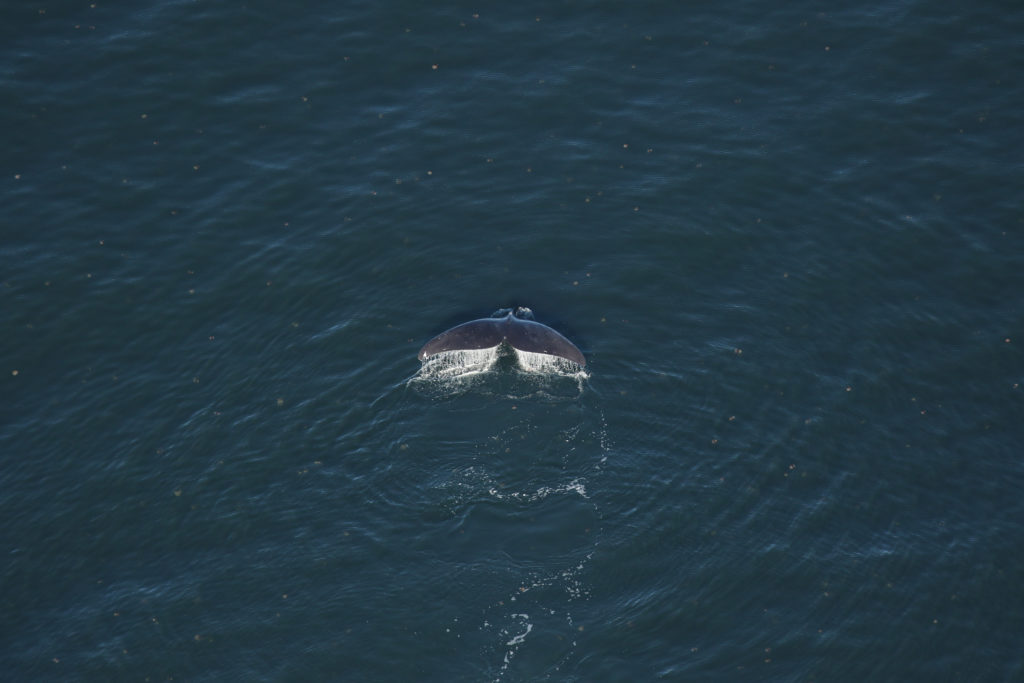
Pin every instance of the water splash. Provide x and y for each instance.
(500, 371)
(461, 363)
(547, 364)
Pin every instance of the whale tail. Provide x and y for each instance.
(519, 333)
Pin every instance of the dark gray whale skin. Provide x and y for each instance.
(486, 333)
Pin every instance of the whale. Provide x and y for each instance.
(513, 327)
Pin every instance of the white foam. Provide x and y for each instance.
(575, 486)
(518, 640)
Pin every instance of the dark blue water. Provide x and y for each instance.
(788, 239)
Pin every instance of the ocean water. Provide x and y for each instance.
(788, 239)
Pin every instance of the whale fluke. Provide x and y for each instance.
(513, 329)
